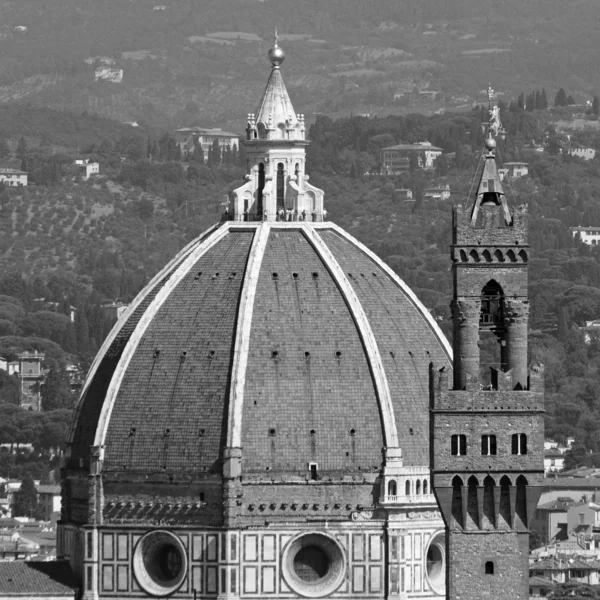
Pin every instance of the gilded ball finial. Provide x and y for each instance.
(276, 54)
(490, 144)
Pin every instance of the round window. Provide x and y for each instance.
(313, 565)
(436, 564)
(160, 563)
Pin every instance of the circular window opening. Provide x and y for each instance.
(160, 563)
(311, 564)
(436, 564)
(314, 565)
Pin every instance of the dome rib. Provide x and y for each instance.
(242, 338)
(394, 276)
(120, 324)
(366, 333)
(149, 314)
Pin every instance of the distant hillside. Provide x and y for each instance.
(192, 65)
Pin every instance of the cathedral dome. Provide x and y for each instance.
(291, 341)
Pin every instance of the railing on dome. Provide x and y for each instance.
(410, 499)
(287, 216)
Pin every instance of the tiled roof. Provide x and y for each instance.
(31, 579)
(557, 505)
(542, 582)
(412, 147)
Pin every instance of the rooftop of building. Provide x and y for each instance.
(33, 579)
(415, 146)
(208, 131)
(8, 171)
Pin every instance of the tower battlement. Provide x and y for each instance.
(491, 228)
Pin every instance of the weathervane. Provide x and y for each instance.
(494, 124)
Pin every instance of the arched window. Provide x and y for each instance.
(521, 500)
(418, 490)
(519, 443)
(457, 485)
(458, 445)
(488, 444)
(488, 502)
(489, 568)
(259, 191)
(391, 488)
(425, 487)
(472, 503)
(492, 305)
(505, 511)
(280, 187)
(474, 256)
(407, 488)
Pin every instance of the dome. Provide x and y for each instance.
(291, 341)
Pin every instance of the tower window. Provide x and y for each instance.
(314, 471)
(489, 568)
(458, 445)
(392, 488)
(488, 445)
(519, 443)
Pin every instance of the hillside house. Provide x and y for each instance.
(441, 192)
(188, 138)
(49, 500)
(86, 168)
(589, 235)
(9, 366)
(13, 177)
(563, 570)
(550, 519)
(403, 195)
(584, 152)
(113, 310)
(554, 461)
(513, 170)
(397, 159)
(32, 377)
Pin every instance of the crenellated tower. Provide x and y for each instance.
(276, 185)
(487, 433)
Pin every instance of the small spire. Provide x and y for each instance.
(276, 38)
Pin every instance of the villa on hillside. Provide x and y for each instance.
(13, 177)
(589, 235)
(397, 159)
(188, 138)
(513, 170)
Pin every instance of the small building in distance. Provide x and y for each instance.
(589, 235)
(513, 170)
(49, 500)
(584, 152)
(13, 177)
(554, 461)
(403, 195)
(550, 519)
(590, 330)
(113, 309)
(9, 366)
(440, 192)
(86, 167)
(32, 377)
(188, 138)
(397, 159)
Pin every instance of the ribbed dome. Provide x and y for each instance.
(289, 340)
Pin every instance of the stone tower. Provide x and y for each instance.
(487, 434)
(276, 185)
